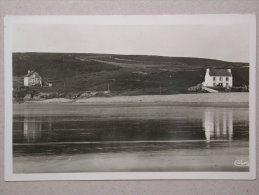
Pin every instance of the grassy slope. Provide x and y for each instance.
(126, 74)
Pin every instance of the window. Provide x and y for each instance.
(220, 78)
(214, 84)
(214, 78)
(226, 78)
(227, 84)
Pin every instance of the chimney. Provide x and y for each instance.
(29, 71)
(229, 70)
(207, 71)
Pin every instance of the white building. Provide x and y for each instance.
(218, 78)
(32, 79)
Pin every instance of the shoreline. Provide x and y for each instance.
(206, 99)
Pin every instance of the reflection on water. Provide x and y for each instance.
(218, 125)
(33, 128)
(163, 138)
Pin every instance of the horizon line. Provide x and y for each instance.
(129, 55)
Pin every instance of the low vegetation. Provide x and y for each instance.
(88, 75)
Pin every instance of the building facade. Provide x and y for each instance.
(32, 79)
(218, 78)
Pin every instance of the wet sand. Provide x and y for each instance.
(142, 161)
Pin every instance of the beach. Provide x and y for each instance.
(238, 98)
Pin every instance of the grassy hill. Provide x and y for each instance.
(125, 74)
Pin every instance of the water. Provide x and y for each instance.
(50, 138)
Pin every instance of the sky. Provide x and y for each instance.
(222, 42)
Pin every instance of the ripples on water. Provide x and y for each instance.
(72, 138)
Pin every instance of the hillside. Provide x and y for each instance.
(125, 74)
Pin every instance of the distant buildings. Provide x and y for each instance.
(218, 78)
(32, 79)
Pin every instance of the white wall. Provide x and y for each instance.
(26, 81)
(209, 82)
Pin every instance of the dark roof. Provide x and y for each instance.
(220, 72)
(31, 73)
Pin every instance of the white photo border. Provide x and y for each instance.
(221, 19)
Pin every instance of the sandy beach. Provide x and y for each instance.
(240, 98)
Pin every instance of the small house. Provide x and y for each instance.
(218, 78)
(32, 79)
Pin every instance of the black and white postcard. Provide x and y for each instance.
(130, 97)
